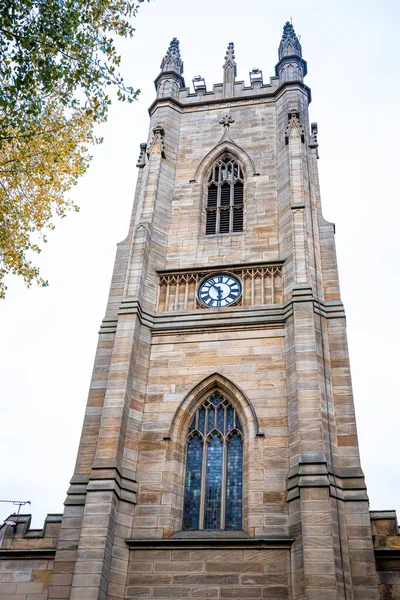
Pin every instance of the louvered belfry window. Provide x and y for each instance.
(224, 211)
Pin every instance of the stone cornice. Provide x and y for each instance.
(225, 266)
(169, 75)
(237, 317)
(291, 58)
(207, 100)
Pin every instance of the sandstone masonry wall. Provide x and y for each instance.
(27, 557)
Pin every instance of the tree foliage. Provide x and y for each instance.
(36, 169)
(58, 61)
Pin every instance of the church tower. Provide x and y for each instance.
(219, 454)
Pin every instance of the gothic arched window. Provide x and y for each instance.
(214, 468)
(225, 197)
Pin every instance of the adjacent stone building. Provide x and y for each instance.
(219, 454)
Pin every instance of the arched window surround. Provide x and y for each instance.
(225, 191)
(213, 494)
(177, 435)
(214, 382)
(225, 146)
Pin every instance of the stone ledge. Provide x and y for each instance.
(174, 543)
(313, 471)
(105, 476)
(382, 514)
(225, 267)
(387, 552)
(8, 554)
(274, 315)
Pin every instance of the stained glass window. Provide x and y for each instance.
(214, 468)
(193, 482)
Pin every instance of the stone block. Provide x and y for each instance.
(139, 592)
(171, 592)
(178, 567)
(241, 592)
(276, 593)
(234, 567)
(204, 592)
(22, 576)
(204, 580)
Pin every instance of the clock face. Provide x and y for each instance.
(219, 290)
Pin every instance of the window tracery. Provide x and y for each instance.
(225, 197)
(214, 468)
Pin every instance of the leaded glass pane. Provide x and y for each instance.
(211, 419)
(194, 462)
(217, 399)
(230, 418)
(222, 455)
(213, 487)
(221, 418)
(202, 417)
(234, 467)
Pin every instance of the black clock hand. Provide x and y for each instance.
(219, 291)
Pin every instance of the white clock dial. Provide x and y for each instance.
(219, 290)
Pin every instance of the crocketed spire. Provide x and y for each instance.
(290, 45)
(172, 60)
(291, 65)
(230, 65)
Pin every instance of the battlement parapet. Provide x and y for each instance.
(385, 530)
(16, 534)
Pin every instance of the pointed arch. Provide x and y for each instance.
(225, 146)
(225, 189)
(213, 383)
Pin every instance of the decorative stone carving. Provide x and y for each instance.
(291, 72)
(172, 60)
(290, 44)
(170, 80)
(294, 127)
(226, 120)
(230, 65)
(168, 88)
(262, 284)
(291, 65)
(156, 145)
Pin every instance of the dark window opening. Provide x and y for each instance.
(225, 198)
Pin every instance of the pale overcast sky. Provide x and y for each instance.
(49, 336)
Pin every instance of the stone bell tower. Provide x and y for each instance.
(276, 352)
(219, 454)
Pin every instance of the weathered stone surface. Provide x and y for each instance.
(279, 355)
